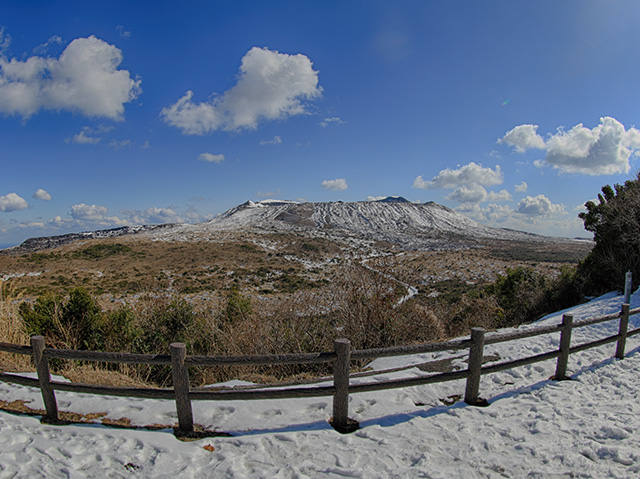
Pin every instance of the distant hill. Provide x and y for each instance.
(392, 219)
(417, 226)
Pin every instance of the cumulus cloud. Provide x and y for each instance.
(41, 194)
(84, 79)
(469, 194)
(502, 216)
(523, 138)
(502, 195)
(470, 174)
(5, 40)
(83, 139)
(602, 150)
(538, 206)
(269, 193)
(522, 187)
(153, 215)
(420, 183)
(162, 215)
(120, 144)
(334, 120)
(123, 32)
(211, 158)
(271, 86)
(12, 202)
(339, 184)
(85, 212)
(275, 141)
(475, 193)
(95, 215)
(44, 48)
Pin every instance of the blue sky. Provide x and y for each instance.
(114, 113)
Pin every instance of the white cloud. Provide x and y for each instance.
(5, 40)
(211, 158)
(339, 184)
(123, 32)
(468, 194)
(538, 206)
(41, 194)
(523, 137)
(334, 120)
(522, 187)
(420, 183)
(44, 48)
(12, 202)
(275, 141)
(29, 225)
(469, 174)
(602, 150)
(475, 193)
(153, 215)
(82, 139)
(84, 212)
(503, 216)
(88, 135)
(159, 215)
(493, 213)
(269, 194)
(95, 216)
(502, 195)
(119, 144)
(271, 86)
(85, 79)
(375, 198)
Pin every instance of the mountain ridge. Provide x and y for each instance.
(393, 219)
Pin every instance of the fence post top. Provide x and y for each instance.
(477, 330)
(37, 338)
(342, 341)
(177, 345)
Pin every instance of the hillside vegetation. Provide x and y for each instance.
(270, 293)
(296, 280)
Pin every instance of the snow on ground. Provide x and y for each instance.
(535, 428)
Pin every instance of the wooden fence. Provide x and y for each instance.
(341, 357)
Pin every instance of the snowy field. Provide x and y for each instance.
(533, 428)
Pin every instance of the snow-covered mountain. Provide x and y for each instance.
(392, 219)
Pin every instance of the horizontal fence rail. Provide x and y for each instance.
(341, 358)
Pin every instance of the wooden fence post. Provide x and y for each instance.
(475, 365)
(44, 377)
(622, 332)
(565, 346)
(628, 284)
(181, 387)
(341, 369)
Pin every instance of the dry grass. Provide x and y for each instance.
(304, 293)
(93, 374)
(12, 329)
(130, 265)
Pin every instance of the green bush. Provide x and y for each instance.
(615, 224)
(525, 295)
(238, 306)
(74, 322)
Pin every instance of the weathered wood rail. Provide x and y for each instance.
(341, 357)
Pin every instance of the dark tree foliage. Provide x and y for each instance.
(615, 223)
